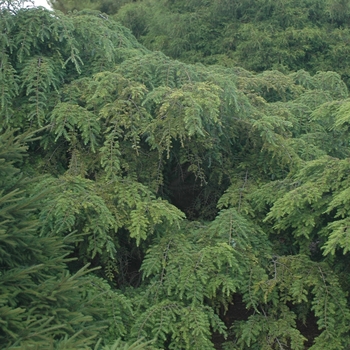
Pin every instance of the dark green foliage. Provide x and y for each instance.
(188, 185)
(41, 304)
(51, 50)
(257, 35)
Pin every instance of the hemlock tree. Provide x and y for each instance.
(189, 186)
(257, 35)
(42, 305)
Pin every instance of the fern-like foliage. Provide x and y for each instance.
(189, 184)
(42, 305)
(278, 320)
(49, 51)
(182, 276)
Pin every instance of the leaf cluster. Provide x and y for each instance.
(188, 184)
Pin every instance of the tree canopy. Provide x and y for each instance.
(144, 198)
(256, 35)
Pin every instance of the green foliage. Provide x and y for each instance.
(257, 35)
(182, 276)
(120, 345)
(41, 304)
(260, 35)
(190, 185)
(50, 51)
